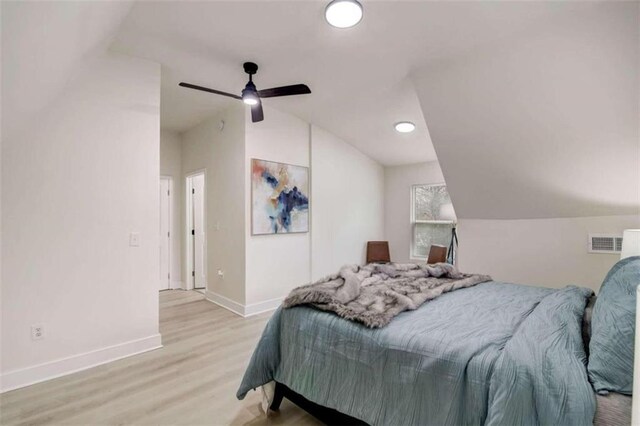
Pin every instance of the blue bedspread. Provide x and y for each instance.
(496, 354)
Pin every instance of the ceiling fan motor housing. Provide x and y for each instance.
(250, 87)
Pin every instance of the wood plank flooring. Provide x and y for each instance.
(192, 380)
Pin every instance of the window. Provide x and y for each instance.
(432, 218)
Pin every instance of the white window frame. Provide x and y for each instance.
(414, 221)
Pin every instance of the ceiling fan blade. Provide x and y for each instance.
(256, 113)
(296, 89)
(206, 89)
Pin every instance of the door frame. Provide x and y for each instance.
(189, 279)
(170, 213)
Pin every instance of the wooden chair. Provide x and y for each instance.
(378, 252)
(437, 254)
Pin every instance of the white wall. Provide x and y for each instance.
(397, 203)
(221, 153)
(1, 138)
(275, 263)
(545, 252)
(171, 165)
(348, 203)
(260, 270)
(74, 187)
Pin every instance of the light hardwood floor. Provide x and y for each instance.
(192, 380)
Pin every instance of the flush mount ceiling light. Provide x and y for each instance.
(343, 13)
(405, 127)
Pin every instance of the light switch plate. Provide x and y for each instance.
(134, 239)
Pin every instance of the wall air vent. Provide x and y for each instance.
(605, 243)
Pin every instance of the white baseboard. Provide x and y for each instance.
(239, 308)
(61, 367)
(260, 307)
(225, 302)
(177, 285)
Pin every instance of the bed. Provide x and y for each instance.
(494, 354)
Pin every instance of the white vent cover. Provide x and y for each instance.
(605, 243)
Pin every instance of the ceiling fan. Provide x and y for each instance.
(251, 96)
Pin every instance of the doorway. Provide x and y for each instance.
(165, 233)
(196, 231)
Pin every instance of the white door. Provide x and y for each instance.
(165, 236)
(199, 232)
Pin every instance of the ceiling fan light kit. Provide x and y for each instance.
(251, 96)
(343, 13)
(249, 99)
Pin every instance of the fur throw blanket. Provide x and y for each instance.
(375, 293)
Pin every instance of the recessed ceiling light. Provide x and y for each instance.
(405, 127)
(343, 13)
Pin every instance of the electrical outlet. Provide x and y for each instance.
(221, 273)
(37, 332)
(134, 239)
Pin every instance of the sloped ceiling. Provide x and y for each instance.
(359, 76)
(544, 123)
(43, 46)
(532, 106)
(358, 93)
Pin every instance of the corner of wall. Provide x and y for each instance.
(283, 138)
(219, 149)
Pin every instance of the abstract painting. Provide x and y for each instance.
(279, 198)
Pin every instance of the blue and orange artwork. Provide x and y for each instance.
(279, 197)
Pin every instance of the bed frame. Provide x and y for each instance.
(326, 415)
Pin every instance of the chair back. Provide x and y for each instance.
(378, 252)
(437, 254)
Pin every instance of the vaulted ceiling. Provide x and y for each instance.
(531, 107)
(543, 124)
(359, 76)
(44, 44)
